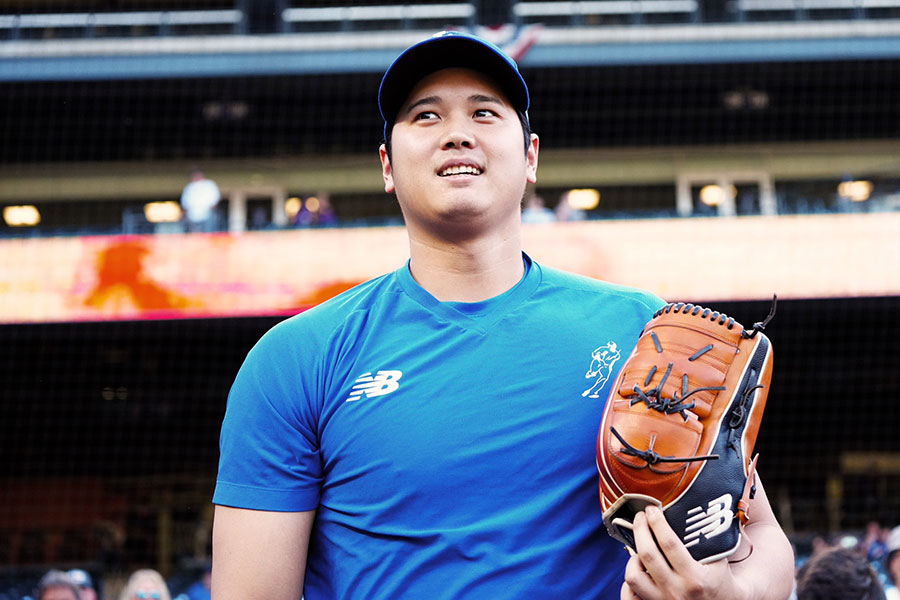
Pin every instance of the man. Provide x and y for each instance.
(425, 434)
(57, 585)
(199, 200)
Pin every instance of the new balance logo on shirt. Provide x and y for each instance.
(709, 523)
(371, 386)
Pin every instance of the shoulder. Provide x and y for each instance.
(319, 323)
(622, 295)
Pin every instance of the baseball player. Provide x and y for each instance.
(425, 434)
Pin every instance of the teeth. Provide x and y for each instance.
(460, 170)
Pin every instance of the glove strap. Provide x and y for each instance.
(743, 507)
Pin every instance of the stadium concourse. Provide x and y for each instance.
(712, 152)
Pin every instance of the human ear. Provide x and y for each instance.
(387, 172)
(531, 159)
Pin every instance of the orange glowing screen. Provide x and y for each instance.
(265, 273)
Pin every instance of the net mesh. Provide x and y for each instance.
(109, 428)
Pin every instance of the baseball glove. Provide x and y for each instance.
(680, 425)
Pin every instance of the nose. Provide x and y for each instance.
(457, 135)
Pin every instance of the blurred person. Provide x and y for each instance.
(57, 585)
(199, 200)
(820, 544)
(566, 212)
(145, 584)
(316, 211)
(200, 589)
(874, 543)
(892, 564)
(535, 211)
(838, 574)
(424, 434)
(84, 582)
(326, 214)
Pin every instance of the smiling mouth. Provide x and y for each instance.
(460, 170)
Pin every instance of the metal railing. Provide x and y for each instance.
(348, 18)
(89, 24)
(581, 12)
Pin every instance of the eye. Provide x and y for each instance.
(425, 115)
(484, 112)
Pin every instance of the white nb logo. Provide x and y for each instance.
(709, 523)
(371, 386)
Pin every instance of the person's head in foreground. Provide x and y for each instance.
(146, 584)
(838, 574)
(57, 585)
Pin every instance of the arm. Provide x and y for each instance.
(765, 573)
(259, 555)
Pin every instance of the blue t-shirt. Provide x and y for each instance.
(448, 448)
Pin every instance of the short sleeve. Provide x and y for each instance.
(269, 450)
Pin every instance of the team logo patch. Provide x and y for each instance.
(372, 386)
(602, 361)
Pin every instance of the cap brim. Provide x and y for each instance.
(443, 52)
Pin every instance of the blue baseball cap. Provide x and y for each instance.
(445, 50)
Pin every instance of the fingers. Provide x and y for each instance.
(663, 567)
(673, 548)
(650, 554)
(662, 562)
(636, 581)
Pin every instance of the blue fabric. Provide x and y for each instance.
(198, 591)
(448, 448)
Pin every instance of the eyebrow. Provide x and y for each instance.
(477, 98)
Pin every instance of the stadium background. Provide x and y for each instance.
(111, 403)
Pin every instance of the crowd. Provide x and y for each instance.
(848, 568)
(842, 568)
(142, 584)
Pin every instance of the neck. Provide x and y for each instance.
(468, 272)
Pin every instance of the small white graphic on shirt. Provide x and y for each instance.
(371, 386)
(603, 359)
(716, 519)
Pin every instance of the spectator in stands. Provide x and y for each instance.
(535, 211)
(200, 590)
(84, 582)
(199, 200)
(57, 585)
(566, 212)
(145, 584)
(838, 574)
(892, 564)
(820, 544)
(874, 543)
(316, 211)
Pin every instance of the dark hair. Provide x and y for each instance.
(838, 574)
(523, 120)
(54, 579)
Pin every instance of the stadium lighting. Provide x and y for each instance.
(162, 212)
(856, 191)
(583, 199)
(714, 195)
(21, 216)
(292, 206)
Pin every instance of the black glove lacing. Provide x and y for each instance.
(677, 404)
(651, 457)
